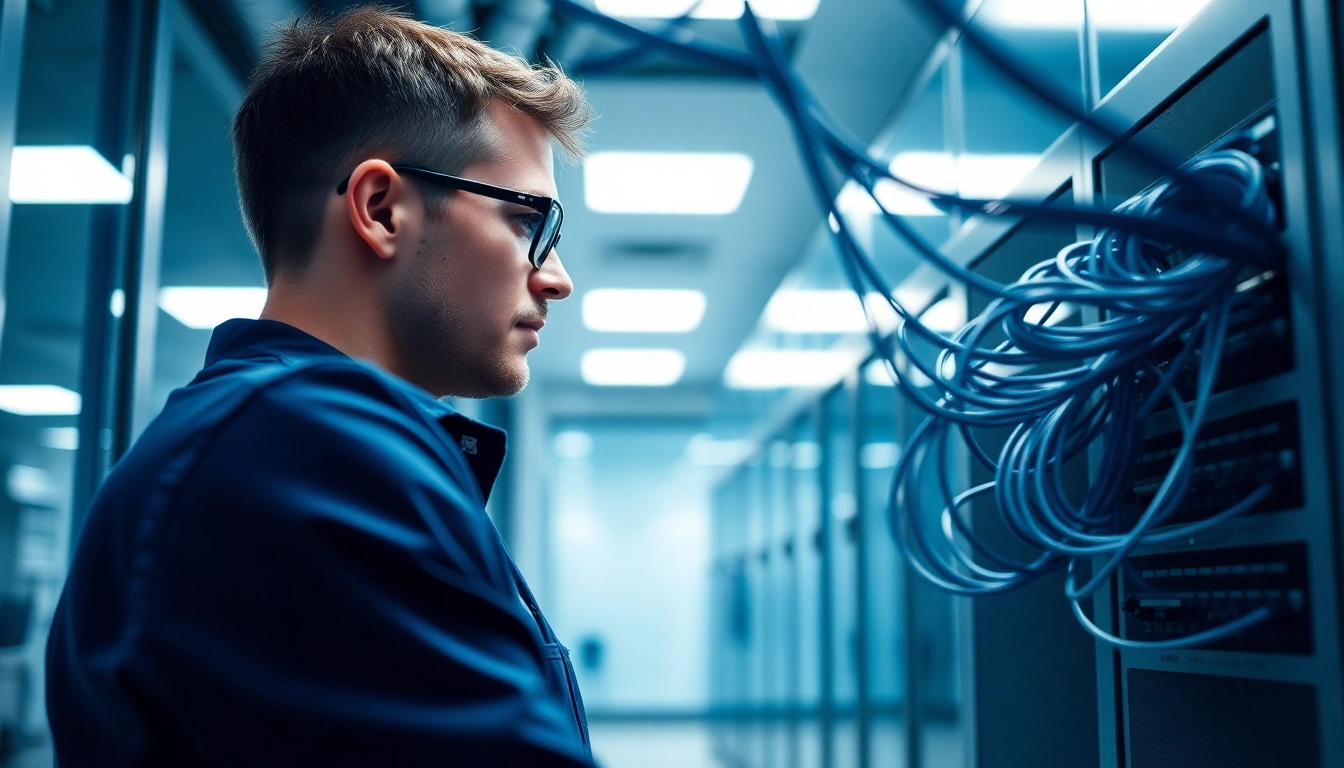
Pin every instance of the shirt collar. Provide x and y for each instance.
(240, 340)
(256, 339)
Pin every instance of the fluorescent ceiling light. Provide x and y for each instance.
(31, 485)
(1061, 313)
(945, 316)
(806, 455)
(844, 505)
(632, 367)
(60, 438)
(1108, 15)
(704, 451)
(917, 378)
(65, 174)
(879, 455)
(38, 400)
(854, 200)
(825, 311)
(573, 444)
(643, 310)
(780, 368)
(203, 307)
(789, 10)
(666, 182)
(972, 175)
(878, 374)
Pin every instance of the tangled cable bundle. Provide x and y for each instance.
(1162, 273)
(1061, 388)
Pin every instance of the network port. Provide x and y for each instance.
(1172, 595)
(1259, 341)
(1233, 457)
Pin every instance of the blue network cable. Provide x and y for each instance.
(1162, 270)
(1256, 246)
(1098, 386)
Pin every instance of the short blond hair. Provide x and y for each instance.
(329, 91)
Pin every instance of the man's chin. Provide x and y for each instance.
(519, 376)
(516, 384)
(494, 381)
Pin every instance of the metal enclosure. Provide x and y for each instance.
(1025, 684)
(1274, 696)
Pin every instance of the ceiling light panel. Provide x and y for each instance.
(65, 175)
(1052, 314)
(705, 451)
(39, 400)
(60, 438)
(784, 10)
(204, 307)
(878, 374)
(573, 444)
(632, 367)
(826, 311)
(854, 200)
(707, 183)
(785, 368)
(640, 310)
(879, 455)
(973, 175)
(945, 316)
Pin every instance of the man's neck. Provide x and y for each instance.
(346, 318)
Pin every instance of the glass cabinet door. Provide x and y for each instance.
(63, 182)
(209, 271)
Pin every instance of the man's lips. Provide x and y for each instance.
(532, 325)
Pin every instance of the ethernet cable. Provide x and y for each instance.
(1105, 388)
(1134, 287)
(1254, 246)
(1055, 416)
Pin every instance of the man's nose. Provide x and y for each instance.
(551, 282)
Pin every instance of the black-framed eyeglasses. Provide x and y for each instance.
(545, 231)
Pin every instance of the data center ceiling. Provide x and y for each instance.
(846, 52)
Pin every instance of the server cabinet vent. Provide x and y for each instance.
(1208, 721)
(1234, 89)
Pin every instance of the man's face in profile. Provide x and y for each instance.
(469, 307)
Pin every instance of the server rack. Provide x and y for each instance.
(1274, 696)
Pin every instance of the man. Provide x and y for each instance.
(293, 565)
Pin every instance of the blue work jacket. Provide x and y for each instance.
(293, 567)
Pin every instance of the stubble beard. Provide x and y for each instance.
(439, 350)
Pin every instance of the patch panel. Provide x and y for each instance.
(1176, 594)
(1233, 456)
(1259, 342)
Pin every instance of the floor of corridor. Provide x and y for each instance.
(688, 744)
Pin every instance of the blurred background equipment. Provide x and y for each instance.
(769, 439)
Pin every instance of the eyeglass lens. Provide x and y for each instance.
(546, 237)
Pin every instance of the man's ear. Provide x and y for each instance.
(381, 204)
